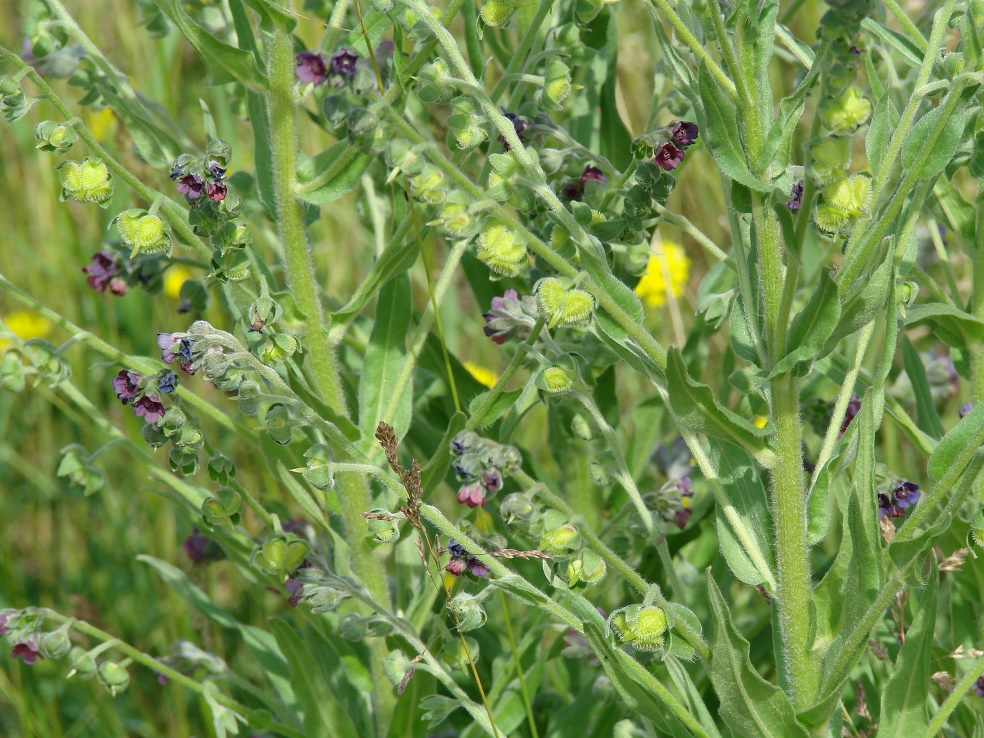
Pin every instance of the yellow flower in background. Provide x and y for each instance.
(759, 421)
(482, 374)
(174, 278)
(672, 260)
(25, 325)
(101, 125)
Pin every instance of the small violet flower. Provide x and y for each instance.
(344, 62)
(215, 170)
(795, 201)
(519, 125)
(26, 652)
(456, 549)
(853, 407)
(216, 191)
(172, 347)
(118, 286)
(683, 132)
(906, 495)
(167, 383)
(126, 384)
(979, 687)
(887, 507)
(149, 408)
(492, 481)
(191, 186)
(510, 317)
(593, 174)
(476, 567)
(572, 191)
(195, 547)
(311, 68)
(101, 270)
(471, 495)
(668, 157)
(294, 587)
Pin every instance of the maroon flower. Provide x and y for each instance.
(593, 174)
(796, 198)
(344, 62)
(683, 132)
(853, 407)
(492, 481)
(471, 496)
(887, 507)
(216, 191)
(572, 191)
(191, 186)
(455, 567)
(196, 547)
(149, 408)
(26, 652)
(668, 157)
(101, 270)
(311, 68)
(118, 286)
(294, 587)
(476, 567)
(126, 385)
(979, 687)
(906, 495)
(519, 125)
(682, 516)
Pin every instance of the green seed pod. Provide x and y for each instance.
(560, 540)
(279, 347)
(467, 123)
(454, 216)
(582, 428)
(551, 160)
(555, 380)
(280, 554)
(318, 473)
(499, 187)
(842, 203)
(249, 397)
(642, 626)
(436, 83)
(220, 469)
(395, 666)
(361, 123)
(353, 627)
(183, 462)
(466, 611)
(82, 663)
(324, 599)
(588, 568)
(562, 305)
(556, 85)
(153, 435)
(278, 423)
(85, 181)
(496, 13)
(516, 507)
(143, 233)
(113, 676)
(56, 138)
(43, 356)
(586, 11)
(383, 530)
(10, 87)
(501, 249)
(189, 439)
(55, 644)
(264, 312)
(223, 509)
(430, 186)
(843, 113)
(830, 157)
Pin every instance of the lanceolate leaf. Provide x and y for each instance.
(927, 418)
(952, 325)
(958, 445)
(905, 698)
(335, 171)
(943, 145)
(751, 706)
(812, 326)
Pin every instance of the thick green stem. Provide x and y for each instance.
(353, 490)
(977, 307)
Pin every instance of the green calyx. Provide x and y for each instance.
(143, 233)
(85, 181)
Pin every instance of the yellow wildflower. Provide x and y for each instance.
(482, 374)
(759, 421)
(101, 125)
(174, 278)
(671, 260)
(25, 325)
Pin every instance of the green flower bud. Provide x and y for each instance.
(496, 13)
(842, 203)
(85, 181)
(563, 305)
(555, 380)
(10, 87)
(317, 473)
(383, 530)
(279, 347)
(830, 157)
(143, 233)
(843, 113)
(501, 249)
(517, 506)
(641, 626)
(436, 83)
(581, 428)
(587, 10)
(430, 185)
(278, 423)
(222, 509)
(560, 540)
(113, 676)
(280, 554)
(264, 312)
(249, 397)
(353, 627)
(183, 462)
(466, 611)
(588, 567)
(82, 663)
(55, 644)
(361, 122)
(220, 469)
(556, 85)
(173, 420)
(395, 666)
(57, 138)
(599, 474)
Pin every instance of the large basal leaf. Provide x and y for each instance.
(341, 166)
(225, 63)
(905, 698)
(751, 706)
(384, 359)
(696, 408)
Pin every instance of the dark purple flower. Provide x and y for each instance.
(126, 385)
(162, 680)
(118, 286)
(215, 170)
(682, 516)
(979, 687)
(311, 68)
(191, 186)
(216, 191)
(167, 383)
(966, 408)
(510, 317)
(906, 495)
(492, 481)
(344, 62)
(455, 567)
(572, 191)
(101, 270)
(683, 132)
(294, 588)
(668, 157)
(149, 408)
(476, 567)
(795, 201)
(519, 125)
(853, 407)
(196, 547)
(172, 347)
(593, 174)
(855, 50)
(887, 507)
(27, 652)
(177, 170)
(471, 496)
(456, 549)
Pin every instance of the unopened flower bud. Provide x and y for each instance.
(222, 509)
(55, 644)
(113, 676)
(517, 506)
(57, 138)
(467, 612)
(82, 663)
(249, 397)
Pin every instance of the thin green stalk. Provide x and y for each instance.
(953, 699)
(523, 692)
(977, 307)
(511, 368)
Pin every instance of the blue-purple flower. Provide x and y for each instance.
(906, 495)
(215, 170)
(887, 507)
(173, 346)
(344, 62)
(683, 132)
(149, 408)
(795, 201)
(167, 383)
(311, 68)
